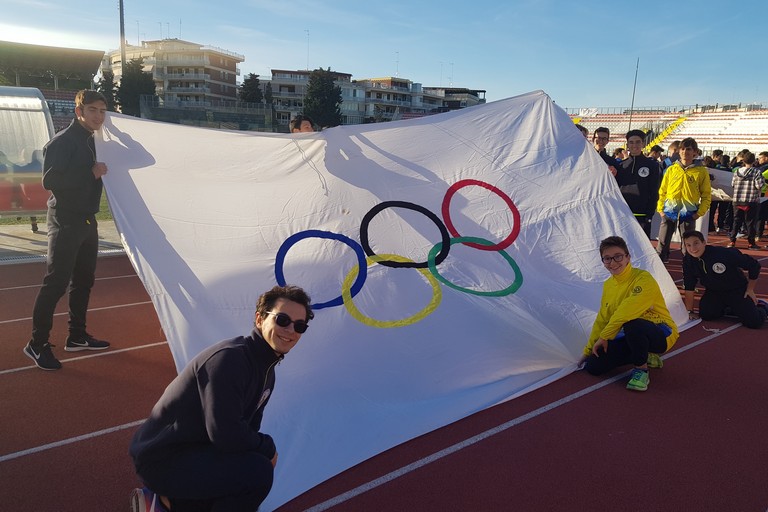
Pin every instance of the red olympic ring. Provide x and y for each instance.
(449, 223)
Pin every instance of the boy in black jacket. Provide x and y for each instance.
(721, 271)
(638, 178)
(201, 447)
(73, 175)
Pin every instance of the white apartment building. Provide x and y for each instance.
(185, 73)
(369, 99)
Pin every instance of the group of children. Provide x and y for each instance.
(633, 325)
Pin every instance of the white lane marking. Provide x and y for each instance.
(26, 319)
(64, 442)
(38, 285)
(341, 498)
(101, 353)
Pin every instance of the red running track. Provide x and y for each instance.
(694, 441)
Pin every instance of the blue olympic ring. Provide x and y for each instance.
(315, 233)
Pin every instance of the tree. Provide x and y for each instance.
(134, 83)
(268, 97)
(323, 98)
(106, 86)
(250, 90)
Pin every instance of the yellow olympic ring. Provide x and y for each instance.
(357, 315)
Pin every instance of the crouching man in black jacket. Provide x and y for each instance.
(721, 271)
(201, 448)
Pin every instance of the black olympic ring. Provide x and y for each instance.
(446, 237)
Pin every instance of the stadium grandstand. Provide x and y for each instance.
(58, 72)
(730, 128)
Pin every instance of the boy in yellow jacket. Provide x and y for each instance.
(684, 196)
(633, 325)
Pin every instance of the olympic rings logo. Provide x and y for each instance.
(355, 279)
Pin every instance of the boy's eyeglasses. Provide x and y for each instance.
(618, 258)
(283, 320)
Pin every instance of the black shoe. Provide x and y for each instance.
(43, 357)
(78, 342)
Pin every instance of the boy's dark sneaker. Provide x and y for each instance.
(78, 342)
(43, 356)
(144, 500)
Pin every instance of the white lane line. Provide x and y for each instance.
(38, 285)
(84, 437)
(90, 310)
(341, 498)
(101, 353)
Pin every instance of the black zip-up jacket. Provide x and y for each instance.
(218, 399)
(639, 178)
(68, 160)
(719, 269)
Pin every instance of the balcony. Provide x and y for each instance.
(185, 61)
(194, 90)
(183, 76)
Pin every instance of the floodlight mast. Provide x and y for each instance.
(122, 38)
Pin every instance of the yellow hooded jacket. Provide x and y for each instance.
(630, 295)
(685, 189)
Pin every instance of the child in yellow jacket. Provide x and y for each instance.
(633, 325)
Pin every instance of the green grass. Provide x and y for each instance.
(9, 219)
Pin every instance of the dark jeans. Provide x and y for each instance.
(73, 246)
(724, 215)
(640, 337)
(713, 303)
(747, 218)
(203, 478)
(645, 223)
(667, 230)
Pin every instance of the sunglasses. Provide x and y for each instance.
(618, 258)
(283, 320)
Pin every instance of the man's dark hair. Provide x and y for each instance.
(87, 96)
(613, 241)
(293, 293)
(748, 158)
(763, 153)
(657, 148)
(638, 133)
(694, 234)
(717, 153)
(296, 122)
(582, 129)
(601, 129)
(689, 142)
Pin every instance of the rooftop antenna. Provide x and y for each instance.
(179, 28)
(450, 78)
(441, 73)
(138, 36)
(634, 87)
(307, 31)
(397, 64)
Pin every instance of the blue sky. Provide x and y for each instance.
(582, 53)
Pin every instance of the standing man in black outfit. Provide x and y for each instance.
(73, 175)
(638, 178)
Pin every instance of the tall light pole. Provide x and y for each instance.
(122, 38)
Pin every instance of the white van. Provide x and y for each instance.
(25, 128)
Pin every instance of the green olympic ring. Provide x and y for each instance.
(512, 288)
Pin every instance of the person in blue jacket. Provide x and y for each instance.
(201, 447)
